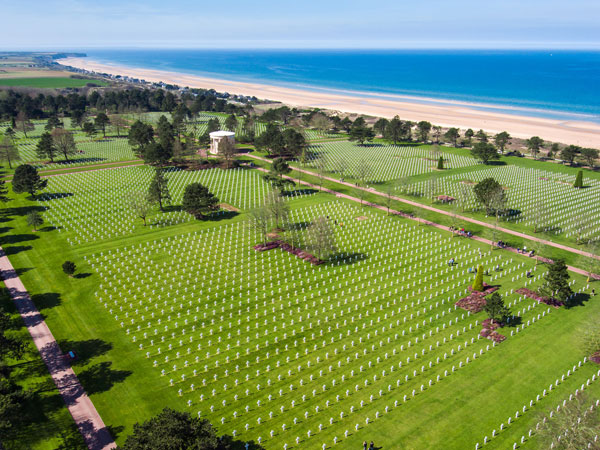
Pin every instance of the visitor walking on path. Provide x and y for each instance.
(89, 422)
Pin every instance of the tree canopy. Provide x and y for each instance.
(485, 152)
(487, 192)
(199, 201)
(27, 179)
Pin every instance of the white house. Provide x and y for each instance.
(217, 136)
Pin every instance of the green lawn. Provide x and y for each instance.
(50, 82)
(191, 268)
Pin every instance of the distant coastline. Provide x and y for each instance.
(520, 122)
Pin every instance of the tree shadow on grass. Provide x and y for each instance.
(82, 275)
(221, 215)
(5, 229)
(86, 350)
(16, 249)
(514, 322)
(46, 301)
(21, 210)
(347, 259)
(231, 443)
(101, 377)
(578, 300)
(17, 239)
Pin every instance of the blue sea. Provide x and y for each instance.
(555, 84)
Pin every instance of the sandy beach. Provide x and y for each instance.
(585, 134)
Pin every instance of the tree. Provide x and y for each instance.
(573, 426)
(484, 152)
(539, 215)
(481, 136)
(118, 122)
(140, 135)
(381, 126)
(199, 201)
(495, 308)
(363, 172)
(13, 401)
(53, 122)
(554, 150)
(231, 122)
(394, 129)
(556, 282)
(213, 125)
(341, 165)
(158, 192)
(590, 264)
(23, 124)
(478, 283)
(578, 180)
(260, 221)
(140, 204)
(294, 143)
(590, 155)
(101, 121)
(27, 179)
(154, 153)
(432, 187)
(424, 128)
(64, 142)
(469, 137)
(11, 345)
(440, 164)
(277, 207)
(68, 268)
(172, 430)
(320, 122)
(569, 153)
(361, 133)
(452, 134)
(271, 140)
(501, 140)
(276, 173)
(487, 192)
(390, 189)
(534, 144)
(227, 150)
(90, 129)
(320, 238)
(34, 219)
(321, 163)
(45, 147)
(9, 152)
(437, 133)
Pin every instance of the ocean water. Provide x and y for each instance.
(557, 84)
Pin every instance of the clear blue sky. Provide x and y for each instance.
(32, 24)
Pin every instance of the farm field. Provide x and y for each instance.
(50, 82)
(187, 314)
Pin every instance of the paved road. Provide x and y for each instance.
(441, 211)
(89, 422)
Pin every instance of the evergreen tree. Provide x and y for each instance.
(140, 135)
(556, 282)
(452, 134)
(489, 193)
(495, 308)
(440, 165)
(534, 144)
(158, 192)
(101, 121)
(231, 122)
(199, 201)
(27, 179)
(501, 140)
(45, 148)
(469, 137)
(424, 128)
(278, 169)
(478, 283)
(485, 152)
(90, 129)
(579, 180)
(69, 268)
(3, 192)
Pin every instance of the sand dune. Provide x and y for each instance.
(455, 114)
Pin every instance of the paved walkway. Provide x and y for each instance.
(441, 211)
(89, 422)
(423, 221)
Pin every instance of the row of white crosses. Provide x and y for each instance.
(546, 392)
(95, 150)
(96, 207)
(565, 209)
(202, 316)
(387, 162)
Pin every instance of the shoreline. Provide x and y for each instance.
(438, 112)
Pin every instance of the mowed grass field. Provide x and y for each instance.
(50, 82)
(372, 335)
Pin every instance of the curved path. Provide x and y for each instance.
(441, 211)
(89, 422)
(423, 221)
